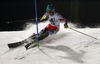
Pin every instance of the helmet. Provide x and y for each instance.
(50, 8)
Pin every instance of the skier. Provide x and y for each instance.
(54, 22)
(52, 28)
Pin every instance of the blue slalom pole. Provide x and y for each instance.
(36, 23)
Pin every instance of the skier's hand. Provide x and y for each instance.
(65, 25)
(44, 18)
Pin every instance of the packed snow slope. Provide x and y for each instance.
(66, 47)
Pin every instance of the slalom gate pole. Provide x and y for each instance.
(82, 33)
(36, 23)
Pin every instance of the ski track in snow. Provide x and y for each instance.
(66, 47)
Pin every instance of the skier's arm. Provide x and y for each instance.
(63, 19)
(65, 25)
(44, 18)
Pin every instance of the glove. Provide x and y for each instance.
(44, 18)
(65, 25)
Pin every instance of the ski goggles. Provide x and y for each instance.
(49, 11)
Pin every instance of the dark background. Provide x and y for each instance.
(83, 12)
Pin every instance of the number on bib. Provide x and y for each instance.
(52, 21)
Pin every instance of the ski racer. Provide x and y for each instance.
(54, 22)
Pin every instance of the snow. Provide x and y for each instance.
(66, 47)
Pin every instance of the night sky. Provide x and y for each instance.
(15, 10)
(40, 0)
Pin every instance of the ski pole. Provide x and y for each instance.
(82, 33)
(31, 20)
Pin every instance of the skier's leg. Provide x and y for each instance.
(43, 31)
(43, 36)
(47, 33)
(48, 30)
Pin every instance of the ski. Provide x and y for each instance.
(14, 45)
(34, 43)
(17, 44)
(31, 45)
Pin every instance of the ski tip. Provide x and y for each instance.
(30, 46)
(96, 38)
(26, 47)
(12, 46)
